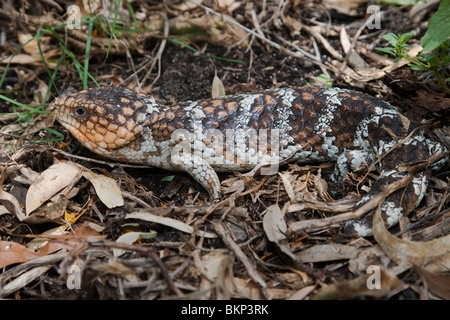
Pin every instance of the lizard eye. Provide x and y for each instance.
(80, 112)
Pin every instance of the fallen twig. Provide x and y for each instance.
(220, 229)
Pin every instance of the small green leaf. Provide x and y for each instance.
(167, 179)
(416, 67)
(391, 38)
(405, 37)
(389, 50)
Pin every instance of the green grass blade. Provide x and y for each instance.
(113, 27)
(77, 64)
(44, 61)
(52, 80)
(181, 43)
(31, 109)
(88, 49)
(133, 16)
(12, 57)
(63, 47)
(52, 131)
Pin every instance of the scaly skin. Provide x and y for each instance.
(234, 133)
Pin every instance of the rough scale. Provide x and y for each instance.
(234, 133)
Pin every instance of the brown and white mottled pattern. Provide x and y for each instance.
(234, 133)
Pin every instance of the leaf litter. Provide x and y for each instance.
(275, 235)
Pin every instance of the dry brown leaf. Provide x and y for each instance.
(185, 5)
(294, 25)
(22, 58)
(176, 224)
(27, 176)
(118, 268)
(40, 93)
(245, 288)
(52, 211)
(31, 47)
(359, 287)
(219, 33)
(230, 5)
(40, 122)
(213, 264)
(221, 230)
(51, 181)
(69, 239)
(327, 252)
(302, 293)
(276, 229)
(369, 74)
(106, 188)
(73, 238)
(88, 7)
(300, 184)
(344, 6)
(434, 255)
(437, 283)
(11, 204)
(12, 252)
(130, 238)
(287, 178)
(3, 210)
(86, 231)
(234, 185)
(366, 257)
(216, 267)
(38, 243)
(354, 59)
(321, 186)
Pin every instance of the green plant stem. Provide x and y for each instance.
(415, 61)
(441, 79)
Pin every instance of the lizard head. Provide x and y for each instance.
(104, 119)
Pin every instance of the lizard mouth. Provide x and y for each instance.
(73, 127)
